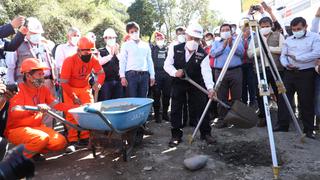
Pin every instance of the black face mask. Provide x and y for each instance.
(85, 58)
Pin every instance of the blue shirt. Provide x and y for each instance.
(306, 51)
(220, 54)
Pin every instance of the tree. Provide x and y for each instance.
(143, 13)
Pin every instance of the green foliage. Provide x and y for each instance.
(57, 16)
(143, 13)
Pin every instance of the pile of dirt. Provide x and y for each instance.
(241, 153)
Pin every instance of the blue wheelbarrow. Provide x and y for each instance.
(124, 116)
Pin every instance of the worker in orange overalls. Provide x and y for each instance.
(26, 127)
(75, 73)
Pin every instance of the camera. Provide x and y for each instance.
(12, 87)
(15, 165)
(255, 7)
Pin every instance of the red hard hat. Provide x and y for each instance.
(159, 35)
(86, 43)
(30, 64)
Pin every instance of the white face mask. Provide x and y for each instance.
(35, 38)
(160, 43)
(74, 40)
(265, 31)
(225, 35)
(135, 36)
(111, 42)
(181, 38)
(209, 42)
(298, 34)
(192, 45)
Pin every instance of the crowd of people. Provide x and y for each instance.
(77, 73)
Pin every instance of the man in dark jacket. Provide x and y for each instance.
(161, 90)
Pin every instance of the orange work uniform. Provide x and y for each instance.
(75, 83)
(26, 127)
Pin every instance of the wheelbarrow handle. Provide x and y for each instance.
(93, 110)
(204, 90)
(53, 114)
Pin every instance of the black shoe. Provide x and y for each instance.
(72, 147)
(280, 129)
(146, 131)
(38, 158)
(174, 142)
(262, 122)
(220, 124)
(165, 117)
(310, 135)
(158, 119)
(209, 139)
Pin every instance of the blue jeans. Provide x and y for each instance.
(138, 83)
(110, 90)
(317, 96)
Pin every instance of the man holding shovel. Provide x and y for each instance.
(189, 58)
(75, 74)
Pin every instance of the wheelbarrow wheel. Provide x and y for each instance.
(138, 137)
(125, 150)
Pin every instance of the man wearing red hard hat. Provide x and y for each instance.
(26, 127)
(75, 74)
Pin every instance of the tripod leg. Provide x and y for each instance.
(264, 91)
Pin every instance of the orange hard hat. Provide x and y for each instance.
(30, 64)
(86, 43)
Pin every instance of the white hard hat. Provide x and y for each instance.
(34, 25)
(109, 33)
(91, 36)
(195, 30)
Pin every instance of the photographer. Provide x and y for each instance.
(7, 30)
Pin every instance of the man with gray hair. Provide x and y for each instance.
(69, 48)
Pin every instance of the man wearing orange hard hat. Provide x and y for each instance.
(26, 127)
(75, 73)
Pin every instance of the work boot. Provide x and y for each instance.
(38, 158)
(209, 139)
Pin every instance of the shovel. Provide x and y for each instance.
(51, 113)
(239, 114)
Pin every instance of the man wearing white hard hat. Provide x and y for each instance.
(191, 58)
(112, 88)
(32, 47)
(69, 48)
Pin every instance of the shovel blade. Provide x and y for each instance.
(241, 116)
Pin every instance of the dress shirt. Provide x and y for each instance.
(306, 50)
(136, 57)
(205, 67)
(220, 54)
(62, 52)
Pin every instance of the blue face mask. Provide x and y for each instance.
(298, 34)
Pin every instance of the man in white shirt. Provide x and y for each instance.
(69, 48)
(189, 57)
(136, 66)
(298, 56)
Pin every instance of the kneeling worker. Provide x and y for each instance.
(26, 127)
(194, 60)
